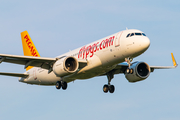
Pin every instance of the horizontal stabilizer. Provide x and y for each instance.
(14, 74)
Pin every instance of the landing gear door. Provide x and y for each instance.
(117, 39)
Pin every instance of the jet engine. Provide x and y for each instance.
(138, 71)
(65, 66)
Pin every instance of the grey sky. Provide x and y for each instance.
(57, 26)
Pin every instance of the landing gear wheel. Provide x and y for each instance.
(127, 71)
(111, 88)
(105, 88)
(58, 85)
(131, 71)
(64, 85)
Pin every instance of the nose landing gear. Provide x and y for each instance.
(129, 60)
(128, 70)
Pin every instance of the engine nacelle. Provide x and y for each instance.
(138, 72)
(65, 66)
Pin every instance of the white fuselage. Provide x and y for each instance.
(102, 56)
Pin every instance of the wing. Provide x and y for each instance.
(28, 60)
(165, 67)
(42, 62)
(120, 68)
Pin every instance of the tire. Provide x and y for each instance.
(111, 88)
(64, 85)
(105, 88)
(58, 85)
(127, 71)
(131, 71)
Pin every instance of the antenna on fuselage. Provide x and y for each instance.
(126, 28)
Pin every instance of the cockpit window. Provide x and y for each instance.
(128, 35)
(135, 34)
(132, 34)
(138, 34)
(143, 34)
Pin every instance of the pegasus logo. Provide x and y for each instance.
(31, 47)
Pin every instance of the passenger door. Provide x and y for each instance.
(117, 39)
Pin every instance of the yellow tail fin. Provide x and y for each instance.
(29, 48)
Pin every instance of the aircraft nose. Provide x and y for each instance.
(145, 43)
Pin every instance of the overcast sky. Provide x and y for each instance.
(58, 26)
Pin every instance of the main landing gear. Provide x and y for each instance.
(62, 84)
(109, 87)
(110, 76)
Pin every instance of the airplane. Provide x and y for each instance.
(105, 57)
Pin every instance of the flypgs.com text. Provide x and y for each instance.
(91, 49)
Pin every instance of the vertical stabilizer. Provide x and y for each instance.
(29, 48)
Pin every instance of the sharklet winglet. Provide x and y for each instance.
(174, 61)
